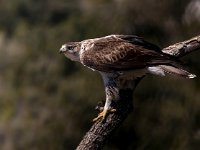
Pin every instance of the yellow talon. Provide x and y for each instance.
(103, 114)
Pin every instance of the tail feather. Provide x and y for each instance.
(177, 71)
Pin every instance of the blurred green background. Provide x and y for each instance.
(47, 102)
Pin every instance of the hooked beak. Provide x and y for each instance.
(62, 49)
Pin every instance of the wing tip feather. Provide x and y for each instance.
(191, 76)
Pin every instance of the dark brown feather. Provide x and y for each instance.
(116, 54)
(136, 40)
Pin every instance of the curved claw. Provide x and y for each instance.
(103, 114)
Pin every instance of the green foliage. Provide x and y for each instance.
(47, 101)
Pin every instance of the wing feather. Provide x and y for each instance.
(136, 40)
(118, 54)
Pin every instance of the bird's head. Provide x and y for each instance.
(71, 50)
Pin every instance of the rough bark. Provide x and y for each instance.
(100, 131)
(183, 48)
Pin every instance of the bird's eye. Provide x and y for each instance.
(70, 47)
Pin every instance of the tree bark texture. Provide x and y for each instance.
(101, 130)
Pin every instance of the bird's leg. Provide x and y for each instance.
(112, 94)
(106, 109)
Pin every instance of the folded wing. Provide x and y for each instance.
(125, 53)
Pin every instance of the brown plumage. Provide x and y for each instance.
(121, 58)
(125, 53)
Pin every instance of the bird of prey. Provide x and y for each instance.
(124, 58)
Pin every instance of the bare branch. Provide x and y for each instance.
(183, 48)
(100, 131)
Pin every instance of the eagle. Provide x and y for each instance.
(121, 58)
